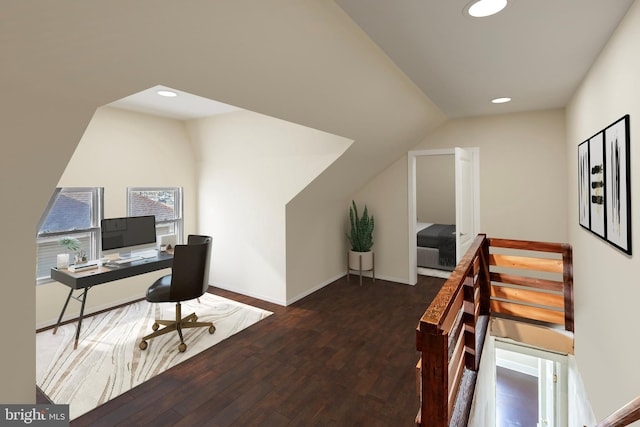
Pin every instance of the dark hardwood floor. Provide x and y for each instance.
(343, 356)
(516, 399)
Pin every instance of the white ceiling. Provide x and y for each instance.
(184, 106)
(534, 51)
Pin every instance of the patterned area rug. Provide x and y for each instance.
(108, 361)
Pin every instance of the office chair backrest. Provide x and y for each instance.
(190, 270)
(194, 239)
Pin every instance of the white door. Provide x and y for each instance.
(547, 378)
(467, 205)
(467, 165)
(552, 382)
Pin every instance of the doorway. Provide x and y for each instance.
(462, 206)
(531, 386)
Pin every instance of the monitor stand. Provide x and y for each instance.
(124, 255)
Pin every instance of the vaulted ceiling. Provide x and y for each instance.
(536, 52)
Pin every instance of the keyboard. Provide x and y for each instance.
(82, 267)
(127, 260)
(147, 254)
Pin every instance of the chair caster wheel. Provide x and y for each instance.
(212, 329)
(155, 326)
(182, 347)
(143, 345)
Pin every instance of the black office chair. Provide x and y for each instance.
(189, 279)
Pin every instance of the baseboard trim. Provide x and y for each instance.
(95, 310)
(249, 294)
(314, 289)
(308, 292)
(369, 274)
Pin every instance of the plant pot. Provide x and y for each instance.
(62, 261)
(361, 260)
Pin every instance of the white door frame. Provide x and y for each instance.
(559, 399)
(411, 200)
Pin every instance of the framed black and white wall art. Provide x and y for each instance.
(596, 184)
(583, 185)
(604, 194)
(618, 198)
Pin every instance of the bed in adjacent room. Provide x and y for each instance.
(436, 246)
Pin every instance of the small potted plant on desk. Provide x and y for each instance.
(73, 244)
(361, 257)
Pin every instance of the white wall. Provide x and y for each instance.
(606, 280)
(483, 406)
(386, 197)
(522, 161)
(579, 411)
(436, 189)
(249, 167)
(305, 62)
(238, 171)
(522, 176)
(121, 149)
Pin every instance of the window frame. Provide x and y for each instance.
(178, 221)
(96, 214)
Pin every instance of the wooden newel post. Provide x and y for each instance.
(435, 379)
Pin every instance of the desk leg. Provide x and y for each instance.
(63, 310)
(84, 299)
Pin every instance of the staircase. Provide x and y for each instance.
(526, 281)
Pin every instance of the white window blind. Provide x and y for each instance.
(74, 213)
(165, 203)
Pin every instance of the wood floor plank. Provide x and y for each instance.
(344, 355)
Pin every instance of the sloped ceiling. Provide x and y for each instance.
(535, 52)
(301, 61)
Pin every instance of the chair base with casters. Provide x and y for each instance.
(188, 280)
(190, 321)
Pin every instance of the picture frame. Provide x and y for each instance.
(617, 179)
(584, 216)
(604, 185)
(596, 185)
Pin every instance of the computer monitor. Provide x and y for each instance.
(129, 233)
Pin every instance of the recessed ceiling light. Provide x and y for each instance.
(500, 100)
(167, 93)
(483, 8)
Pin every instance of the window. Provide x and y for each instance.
(71, 212)
(163, 202)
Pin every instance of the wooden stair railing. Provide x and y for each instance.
(525, 280)
(624, 416)
(532, 281)
(446, 336)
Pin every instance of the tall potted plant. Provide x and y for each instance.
(361, 239)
